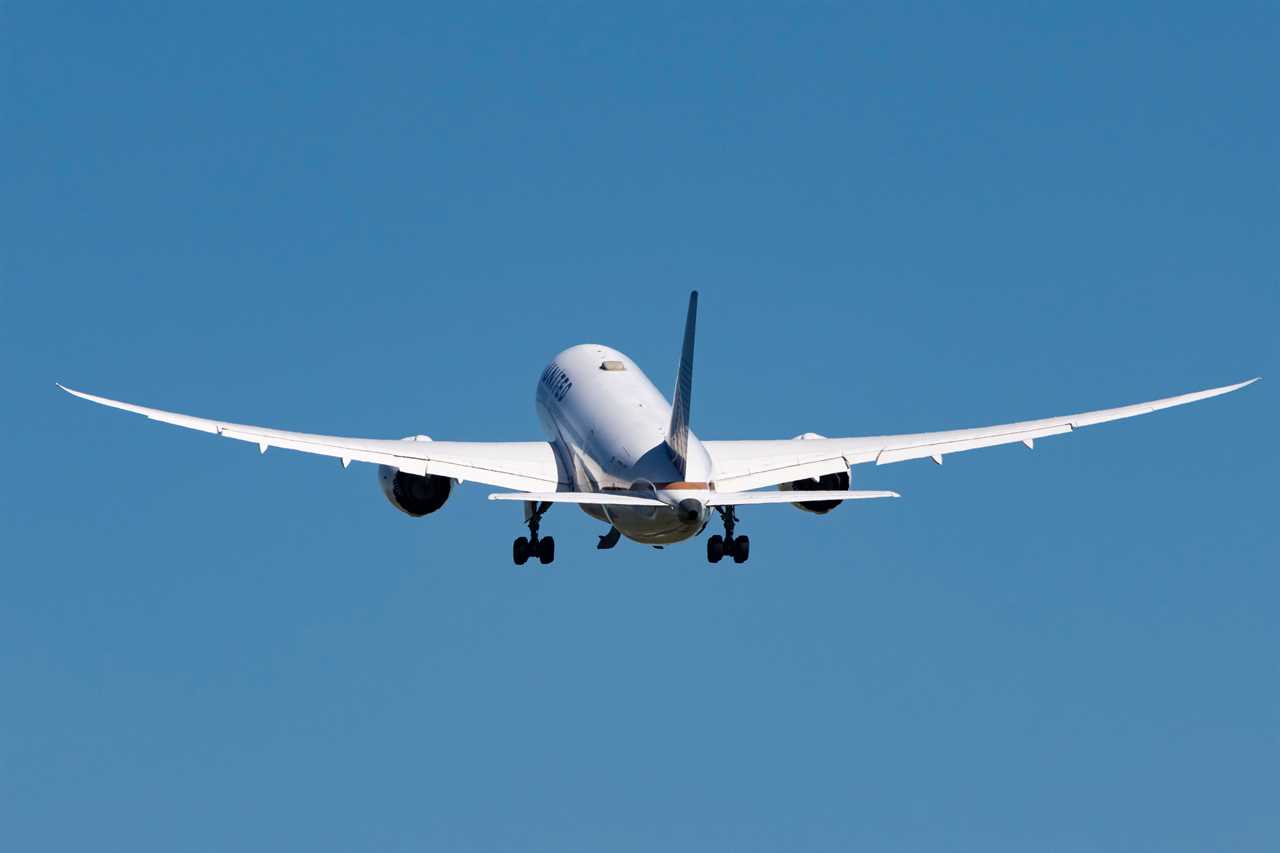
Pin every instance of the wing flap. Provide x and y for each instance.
(941, 448)
(335, 450)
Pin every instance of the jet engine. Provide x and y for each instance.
(837, 482)
(413, 494)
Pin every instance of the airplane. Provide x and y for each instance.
(626, 456)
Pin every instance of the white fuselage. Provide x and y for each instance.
(608, 424)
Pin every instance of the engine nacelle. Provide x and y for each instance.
(413, 494)
(837, 482)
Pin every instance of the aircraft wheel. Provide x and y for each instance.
(520, 551)
(741, 549)
(546, 550)
(715, 549)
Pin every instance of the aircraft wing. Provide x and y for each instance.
(529, 465)
(755, 464)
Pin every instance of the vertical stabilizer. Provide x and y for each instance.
(678, 432)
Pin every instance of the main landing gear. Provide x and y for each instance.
(542, 548)
(728, 545)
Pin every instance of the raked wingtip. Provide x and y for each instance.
(1235, 386)
(73, 392)
(1245, 384)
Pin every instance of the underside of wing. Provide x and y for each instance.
(743, 465)
(755, 464)
(528, 465)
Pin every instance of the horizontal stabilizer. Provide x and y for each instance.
(742, 498)
(597, 498)
(709, 498)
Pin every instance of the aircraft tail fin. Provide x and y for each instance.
(678, 431)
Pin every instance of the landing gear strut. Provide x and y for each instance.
(719, 547)
(610, 539)
(542, 548)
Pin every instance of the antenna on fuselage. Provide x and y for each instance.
(678, 432)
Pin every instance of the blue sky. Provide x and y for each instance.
(385, 221)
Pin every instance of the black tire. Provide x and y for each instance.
(546, 550)
(715, 549)
(520, 551)
(741, 549)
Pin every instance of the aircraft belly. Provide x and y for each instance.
(596, 511)
(652, 525)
